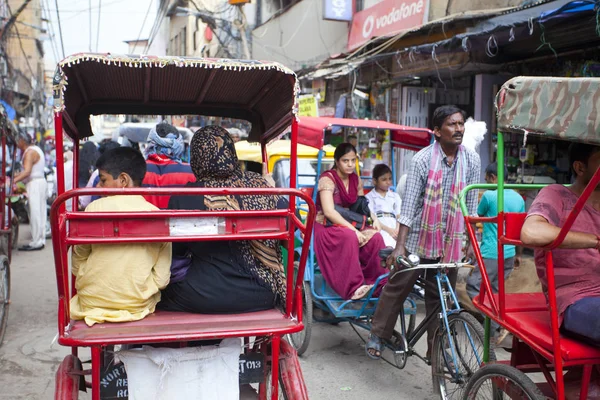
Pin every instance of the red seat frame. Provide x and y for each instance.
(528, 316)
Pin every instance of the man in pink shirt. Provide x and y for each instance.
(577, 260)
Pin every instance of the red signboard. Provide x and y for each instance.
(386, 18)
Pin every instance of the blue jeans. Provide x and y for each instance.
(581, 320)
(491, 266)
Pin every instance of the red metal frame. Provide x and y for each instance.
(497, 310)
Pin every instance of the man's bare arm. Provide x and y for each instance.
(537, 231)
(28, 161)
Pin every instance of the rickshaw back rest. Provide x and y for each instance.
(150, 228)
(513, 224)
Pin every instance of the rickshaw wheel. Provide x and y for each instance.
(4, 294)
(300, 340)
(499, 381)
(468, 337)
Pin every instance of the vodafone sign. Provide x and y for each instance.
(386, 18)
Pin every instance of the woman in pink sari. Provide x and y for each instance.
(348, 258)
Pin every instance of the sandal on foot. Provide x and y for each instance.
(361, 292)
(373, 343)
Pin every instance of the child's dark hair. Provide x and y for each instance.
(380, 170)
(123, 159)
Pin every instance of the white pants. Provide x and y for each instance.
(36, 199)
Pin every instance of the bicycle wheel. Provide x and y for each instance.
(4, 294)
(499, 381)
(300, 340)
(451, 372)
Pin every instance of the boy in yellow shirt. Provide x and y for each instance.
(119, 282)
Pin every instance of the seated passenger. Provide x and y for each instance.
(225, 276)
(576, 261)
(119, 282)
(385, 204)
(163, 160)
(348, 258)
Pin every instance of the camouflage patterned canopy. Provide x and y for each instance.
(560, 108)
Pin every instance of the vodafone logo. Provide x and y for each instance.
(368, 27)
(376, 21)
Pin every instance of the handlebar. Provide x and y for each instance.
(413, 261)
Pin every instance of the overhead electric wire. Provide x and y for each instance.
(62, 43)
(90, 24)
(98, 32)
(162, 12)
(33, 75)
(143, 24)
(53, 45)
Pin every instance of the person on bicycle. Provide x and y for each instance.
(488, 207)
(576, 261)
(431, 222)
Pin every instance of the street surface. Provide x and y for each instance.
(335, 365)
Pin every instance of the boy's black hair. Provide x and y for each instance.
(350, 137)
(441, 113)
(379, 170)
(492, 169)
(123, 159)
(581, 152)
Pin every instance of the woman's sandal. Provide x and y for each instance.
(361, 292)
(373, 347)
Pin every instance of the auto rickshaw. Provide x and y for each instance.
(263, 93)
(531, 106)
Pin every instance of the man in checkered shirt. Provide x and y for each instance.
(448, 127)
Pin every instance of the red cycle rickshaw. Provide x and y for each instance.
(531, 106)
(262, 93)
(8, 227)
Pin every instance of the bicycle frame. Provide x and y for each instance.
(445, 290)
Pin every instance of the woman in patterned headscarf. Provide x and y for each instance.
(225, 276)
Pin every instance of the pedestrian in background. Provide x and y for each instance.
(35, 182)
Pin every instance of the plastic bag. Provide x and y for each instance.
(200, 373)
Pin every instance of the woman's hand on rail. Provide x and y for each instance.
(268, 176)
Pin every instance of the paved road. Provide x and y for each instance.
(335, 366)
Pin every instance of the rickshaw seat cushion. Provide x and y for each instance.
(513, 224)
(518, 302)
(534, 326)
(167, 326)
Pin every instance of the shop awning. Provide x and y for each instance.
(312, 131)
(521, 24)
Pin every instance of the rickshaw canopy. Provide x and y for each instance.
(263, 93)
(311, 131)
(559, 108)
(247, 151)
